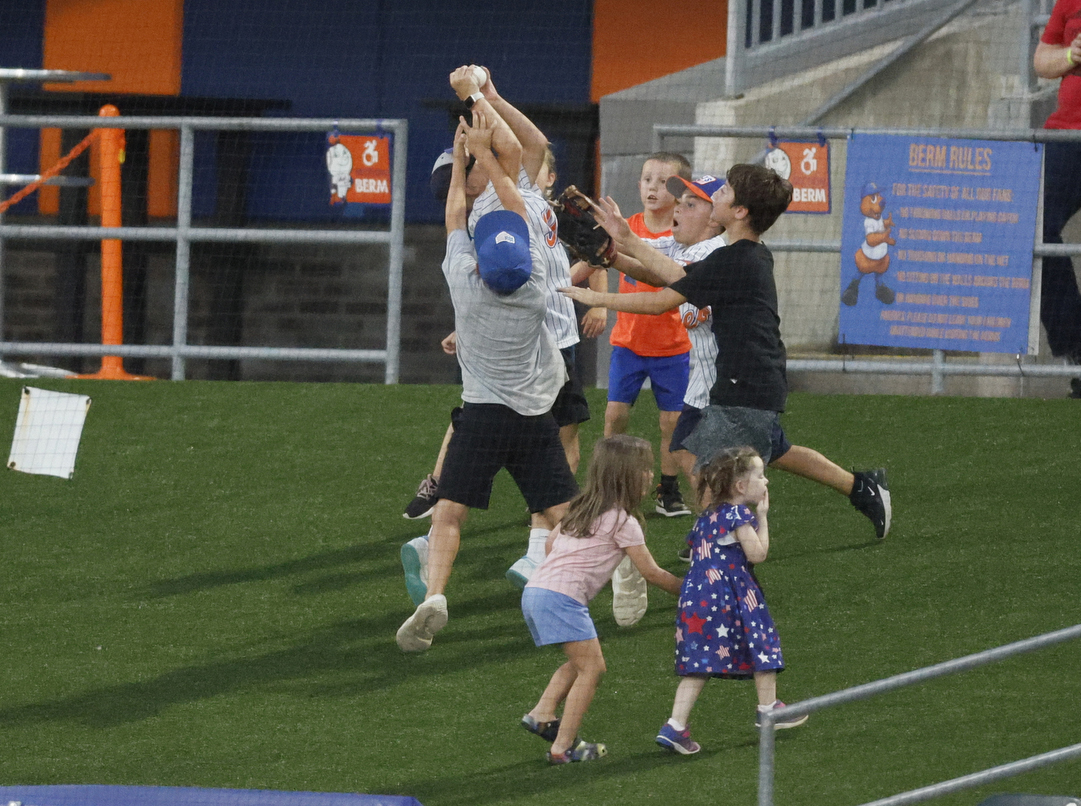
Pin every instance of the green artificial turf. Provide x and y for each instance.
(212, 601)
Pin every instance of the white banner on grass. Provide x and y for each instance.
(47, 432)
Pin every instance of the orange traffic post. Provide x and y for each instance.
(111, 151)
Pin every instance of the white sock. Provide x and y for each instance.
(769, 707)
(676, 726)
(537, 539)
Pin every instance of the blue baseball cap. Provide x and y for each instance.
(502, 241)
(704, 187)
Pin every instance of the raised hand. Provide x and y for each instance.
(611, 219)
(464, 81)
(479, 135)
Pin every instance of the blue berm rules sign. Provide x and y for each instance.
(936, 246)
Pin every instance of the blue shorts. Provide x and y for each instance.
(778, 443)
(555, 618)
(668, 374)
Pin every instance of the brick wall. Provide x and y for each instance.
(292, 296)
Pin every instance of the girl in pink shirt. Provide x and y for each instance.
(601, 526)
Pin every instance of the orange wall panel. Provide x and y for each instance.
(636, 41)
(138, 43)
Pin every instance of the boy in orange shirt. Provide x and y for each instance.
(654, 347)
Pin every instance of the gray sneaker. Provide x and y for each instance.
(416, 633)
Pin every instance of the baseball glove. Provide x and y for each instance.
(579, 230)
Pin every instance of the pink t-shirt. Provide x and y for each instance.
(580, 566)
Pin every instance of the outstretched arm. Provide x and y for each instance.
(532, 139)
(479, 138)
(653, 303)
(504, 142)
(455, 213)
(637, 258)
(653, 573)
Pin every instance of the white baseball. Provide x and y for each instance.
(479, 76)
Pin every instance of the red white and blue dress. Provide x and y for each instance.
(723, 628)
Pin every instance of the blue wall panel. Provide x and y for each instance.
(21, 27)
(342, 58)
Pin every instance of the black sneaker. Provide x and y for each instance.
(685, 554)
(422, 505)
(871, 496)
(670, 503)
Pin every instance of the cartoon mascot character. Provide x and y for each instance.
(340, 168)
(873, 255)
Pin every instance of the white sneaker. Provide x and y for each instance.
(521, 572)
(629, 598)
(416, 634)
(415, 564)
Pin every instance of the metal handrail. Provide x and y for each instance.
(184, 234)
(862, 692)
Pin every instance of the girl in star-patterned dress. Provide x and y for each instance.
(724, 628)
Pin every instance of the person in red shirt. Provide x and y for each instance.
(1058, 55)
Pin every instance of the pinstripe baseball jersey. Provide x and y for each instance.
(548, 255)
(699, 323)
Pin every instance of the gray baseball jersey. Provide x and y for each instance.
(505, 351)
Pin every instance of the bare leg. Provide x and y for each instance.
(616, 417)
(588, 663)
(568, 435)
(686, 460)
(765, 684)
(443, 541)
(810, 464)
(686, 696)
(669, 463)
(442, 452)
(555, 693)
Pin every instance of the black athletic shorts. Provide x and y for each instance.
(571, 406)
(488, 437)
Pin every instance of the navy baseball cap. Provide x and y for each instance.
(440, 179)
(502, 241)
(703, 187)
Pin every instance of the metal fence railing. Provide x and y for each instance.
(937, 366)
(766, 759)
(769, 39)
(184, 234)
